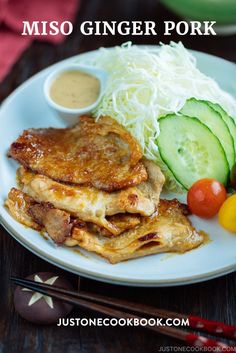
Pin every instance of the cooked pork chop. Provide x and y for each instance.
(166, 231)
(92, 205)
(169, 230)
(100, 154)
(59, 223)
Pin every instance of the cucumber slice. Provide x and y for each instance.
(228, 120)
(213, 120)
(191, 150)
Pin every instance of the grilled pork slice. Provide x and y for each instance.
(92, 205)
(100, 154)
(167, 231)
(58, 223)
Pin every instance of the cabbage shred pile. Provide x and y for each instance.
(147, 83)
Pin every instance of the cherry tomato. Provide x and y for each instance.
(227, 214)
(205, 197)
(233, 176)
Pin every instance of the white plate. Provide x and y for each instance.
(26, 108)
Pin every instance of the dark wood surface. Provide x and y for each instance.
(213, 299)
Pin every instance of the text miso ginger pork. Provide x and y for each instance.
(90, 186)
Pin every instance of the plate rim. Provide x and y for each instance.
(93, 274)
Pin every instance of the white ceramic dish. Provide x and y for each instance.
(27, 107)
(68, 115)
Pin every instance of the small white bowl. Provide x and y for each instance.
(70, 115)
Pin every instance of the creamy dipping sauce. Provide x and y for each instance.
(75, 89)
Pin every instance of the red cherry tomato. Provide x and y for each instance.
(205, 197)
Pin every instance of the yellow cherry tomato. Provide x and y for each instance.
(227, 214)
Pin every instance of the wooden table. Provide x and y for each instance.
(214, 299)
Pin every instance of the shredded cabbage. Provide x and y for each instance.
(147, 83)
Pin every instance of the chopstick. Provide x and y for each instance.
(212, 327)
(94, 302)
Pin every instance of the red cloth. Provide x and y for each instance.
(13, 12)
